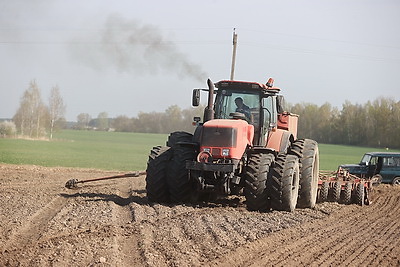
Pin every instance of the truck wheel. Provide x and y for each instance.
(156, 184)
(283, 184)
(256, 174)
(396, 181)
(359, 194)
(179, 136)
(179, 185)
(334, 192)
(323, 192)
(345, 195)
(307, 152)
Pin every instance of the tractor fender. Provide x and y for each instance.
(280, 140)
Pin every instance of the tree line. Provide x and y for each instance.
(374, 124)
(172, 119)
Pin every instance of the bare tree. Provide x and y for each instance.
(102, 121)
(56, 108)
(123, 124)
(83, 120)
(31, 115)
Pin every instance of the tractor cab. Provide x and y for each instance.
(258, 104)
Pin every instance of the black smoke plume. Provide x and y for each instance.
(130, 46)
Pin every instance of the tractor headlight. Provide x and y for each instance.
(225, 152)
(207, 150)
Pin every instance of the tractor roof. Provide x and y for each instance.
(245, 85)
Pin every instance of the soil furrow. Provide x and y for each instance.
(112, 223)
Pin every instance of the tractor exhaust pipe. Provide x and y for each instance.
(209, 111)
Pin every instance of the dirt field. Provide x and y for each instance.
(111, 223)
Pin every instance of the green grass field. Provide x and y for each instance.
(124, 151)
(84, 149)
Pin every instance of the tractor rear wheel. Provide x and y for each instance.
(283, 184)
(179, 185)
(359, 194)
(345, 195)
(307, 152)
(256, 175)
(156, 184)
(323, 192)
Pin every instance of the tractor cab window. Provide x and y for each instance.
(269, 109)
(238, 101)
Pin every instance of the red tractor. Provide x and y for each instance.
(247, 144)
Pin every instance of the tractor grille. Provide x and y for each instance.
(216, 152)
(219, 137)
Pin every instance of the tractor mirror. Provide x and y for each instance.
(280, 104)
(196, 98)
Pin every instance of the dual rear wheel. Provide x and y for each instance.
(285, 181)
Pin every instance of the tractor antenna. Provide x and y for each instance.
(234, 53)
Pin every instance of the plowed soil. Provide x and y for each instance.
(111, 223)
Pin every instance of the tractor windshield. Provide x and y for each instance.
(244, 102)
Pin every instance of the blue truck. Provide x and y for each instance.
(386, 165)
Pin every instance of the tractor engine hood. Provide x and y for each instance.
(224, 138)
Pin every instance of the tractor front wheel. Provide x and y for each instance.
(156, 184)
(177, 137)
(179, 185)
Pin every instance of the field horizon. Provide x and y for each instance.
(125, 151)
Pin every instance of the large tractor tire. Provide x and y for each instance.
(323, 192)
(283, 185)
(156, 184)
(345, 195)
(307, 152)
(256, 175)
(179, 185)
(179, 136)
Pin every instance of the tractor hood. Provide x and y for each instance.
(225, 138)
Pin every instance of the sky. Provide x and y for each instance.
(125, 57)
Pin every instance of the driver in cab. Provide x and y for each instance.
(242, 108)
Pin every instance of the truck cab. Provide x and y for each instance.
(385, 164)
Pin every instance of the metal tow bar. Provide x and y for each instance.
(73, 182)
